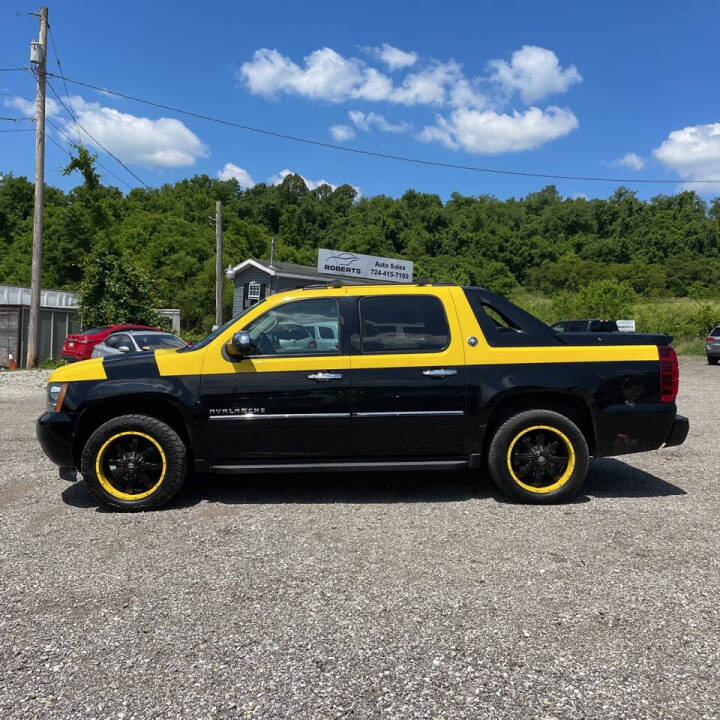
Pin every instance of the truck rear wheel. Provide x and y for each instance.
(134, 462)
(538, 456)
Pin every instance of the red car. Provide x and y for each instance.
(80, 345)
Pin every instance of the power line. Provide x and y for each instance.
(75, 145)
(62, 74)
(18, 130)
(71, 110)
(370, 153)
(15, 69)
(57, 144)
(95, 140)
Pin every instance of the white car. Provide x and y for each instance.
(136, 341)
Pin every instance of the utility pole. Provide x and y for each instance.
(36, 271)
(218, 263)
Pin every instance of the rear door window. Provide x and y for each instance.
(403, 324)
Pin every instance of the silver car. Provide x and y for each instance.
(136, 341)
(712, 346)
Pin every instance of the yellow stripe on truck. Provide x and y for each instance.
(84, 370)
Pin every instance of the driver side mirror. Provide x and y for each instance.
(124, 349)
(239, 345)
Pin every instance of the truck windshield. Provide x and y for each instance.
(207, 340)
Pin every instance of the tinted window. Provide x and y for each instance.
(577, 326)
(326, 333)
(603, 326)
(283, 331)
(112, 340)
(403, 323)
(209, 338)
(715, 332)
(95, 331)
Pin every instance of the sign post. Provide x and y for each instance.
(368, 267)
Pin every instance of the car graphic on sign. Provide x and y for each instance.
(342, 259)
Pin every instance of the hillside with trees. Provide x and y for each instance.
(540, 245)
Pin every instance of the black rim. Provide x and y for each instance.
(132, 464)
(539, 458)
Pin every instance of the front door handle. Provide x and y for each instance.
(440, 372)
(324, 376)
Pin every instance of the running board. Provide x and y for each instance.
(338, 466)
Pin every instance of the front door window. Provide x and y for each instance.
(289, 329)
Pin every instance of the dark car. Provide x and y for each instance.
(422, 377)
(712, 346)
(79, 346)
(592, 325)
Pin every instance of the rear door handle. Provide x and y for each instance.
(324, 376)
(440, 372)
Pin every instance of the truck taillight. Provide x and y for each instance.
(669, 374)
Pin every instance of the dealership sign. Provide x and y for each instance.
(368, 267)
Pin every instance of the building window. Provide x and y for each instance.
(253, 291)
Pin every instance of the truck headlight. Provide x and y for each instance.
(55, 396)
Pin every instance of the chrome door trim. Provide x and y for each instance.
(279, 416)
(407, 413)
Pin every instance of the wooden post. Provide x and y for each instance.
(218, 263)
(36, 271)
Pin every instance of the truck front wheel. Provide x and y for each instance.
(134, 462)
(538, 456)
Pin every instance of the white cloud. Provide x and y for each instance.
(327, 75)
(489, 132)
(364, 121)
(342, 132)
(694, 154)
(393, 57)
(27, 107)
(429, 86)
(631, 161)
(231, 171)
(164, 142)
(474, 118)
(535, 72)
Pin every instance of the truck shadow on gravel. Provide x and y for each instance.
(608, 478)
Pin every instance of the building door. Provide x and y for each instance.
(290, 397)
(407, 378)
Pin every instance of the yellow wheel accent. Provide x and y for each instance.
(107, 484)
(553, 470)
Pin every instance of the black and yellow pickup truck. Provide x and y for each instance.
(381, 377)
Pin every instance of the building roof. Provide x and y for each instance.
(292, 270)
(15, 295)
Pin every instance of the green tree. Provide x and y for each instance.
(116, 290)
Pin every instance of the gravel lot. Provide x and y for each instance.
(364, 596)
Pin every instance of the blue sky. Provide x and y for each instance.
(622, 89)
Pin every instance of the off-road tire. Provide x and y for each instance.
(558, 428)
(174, 455)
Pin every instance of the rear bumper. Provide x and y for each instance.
(623, 429)
(73, 356)
(679, 431)
(55, 432)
